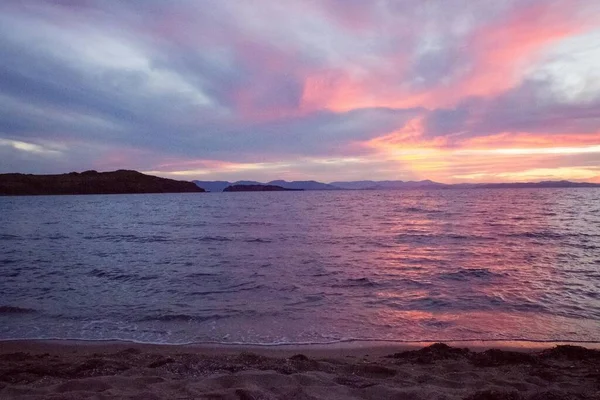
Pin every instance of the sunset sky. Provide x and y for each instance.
(448, 90)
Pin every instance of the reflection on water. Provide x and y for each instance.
(303, 266)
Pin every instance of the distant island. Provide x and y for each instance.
(220, 186)
(257, 188)
(91, 182)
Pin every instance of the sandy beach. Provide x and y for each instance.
(109, 370)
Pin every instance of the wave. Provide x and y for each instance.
(355, 282)
(464, 275)
(120, 276)
(213, 239)
(128, 238)
(182, 318)
(258, 240)
(56, 237)
(413, 209)
(238, 224)
(231, 289)
(330, 273)
(407, 282)
(418, 237)
(311, 298)
(9, 237)
(479, 302)
(586, 246)
(395, 282)
(536, 235)
(200, 275)
(16, 310)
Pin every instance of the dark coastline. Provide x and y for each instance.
(91, 182)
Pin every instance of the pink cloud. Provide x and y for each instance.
(499, 55)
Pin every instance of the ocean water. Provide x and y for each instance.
(303, 267)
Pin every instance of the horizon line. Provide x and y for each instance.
(156, 173)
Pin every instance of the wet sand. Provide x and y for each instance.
(117, 370)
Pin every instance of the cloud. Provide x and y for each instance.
(267, 88)
(31, 147)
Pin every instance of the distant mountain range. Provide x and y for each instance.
(257, 188)
(219, 186)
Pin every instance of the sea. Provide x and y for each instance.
(313, 267)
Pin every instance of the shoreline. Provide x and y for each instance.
(358, 350)
(349, 346)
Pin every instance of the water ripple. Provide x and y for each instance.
(307, 267)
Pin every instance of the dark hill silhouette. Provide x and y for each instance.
(213, 186)
(91, 182)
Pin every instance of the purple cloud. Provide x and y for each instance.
(273, 82)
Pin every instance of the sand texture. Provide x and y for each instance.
(51, 371)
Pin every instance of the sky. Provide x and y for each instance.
(448, 90)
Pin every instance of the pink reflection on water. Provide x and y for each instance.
(460, 264)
